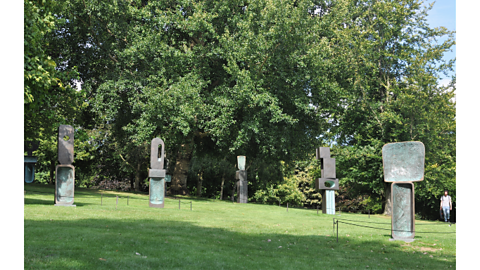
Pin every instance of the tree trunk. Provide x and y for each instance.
(388, 200)
(137, 177)
(199, 184)
(132, 182)
(233, 190)
(52, 171)
(221, 186)
(179, 177)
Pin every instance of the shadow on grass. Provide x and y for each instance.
(39, 201)
(50, 202)
(416, 236)
(160, 244)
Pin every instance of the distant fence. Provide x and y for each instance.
(336, 221)
(102, 195)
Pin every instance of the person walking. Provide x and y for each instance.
(446, 205)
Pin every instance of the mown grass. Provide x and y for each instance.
(215, 235)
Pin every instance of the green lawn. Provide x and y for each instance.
(215, 235)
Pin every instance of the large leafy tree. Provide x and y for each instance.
(391, 94)
(50, 98)
(238, 76)
(263, 79)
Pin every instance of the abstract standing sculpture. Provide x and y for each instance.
(29, 161)
(328, 182)
(403, 164)
(65, 172)
(157, 174)
(242, 184)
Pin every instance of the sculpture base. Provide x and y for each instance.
(242, 187)
(403, 211)
(156, 192)
(328, 202)
(65, 205)
(29, 164)
(399, 239)
(64, 185)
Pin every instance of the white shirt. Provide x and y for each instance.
(445, 201)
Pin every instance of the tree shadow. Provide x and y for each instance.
(416, 236)
(39, 201)
(51, 201)
(153, 243)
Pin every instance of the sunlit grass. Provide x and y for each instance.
(214, 235)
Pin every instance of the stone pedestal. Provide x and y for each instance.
(156, 192)
(156, 189)
(29, 161)
(29, 165)
(64, 185)
(242, 187)
(403, 211)
(328, 202)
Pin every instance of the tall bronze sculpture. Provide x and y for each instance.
(328, 182)
(157, 174)
(403, 164)
(65, 171)
(242, 184)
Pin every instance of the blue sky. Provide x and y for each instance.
(443, 14)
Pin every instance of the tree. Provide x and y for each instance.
(391, 94)
(39, 68)
(242, 76)
(49, 98)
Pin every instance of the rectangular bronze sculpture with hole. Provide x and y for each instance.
(403, 164)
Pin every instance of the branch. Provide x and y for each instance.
(265, 60)
(94, 37)
(111, 33)
(126, 162)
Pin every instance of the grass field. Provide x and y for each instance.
(215, 235)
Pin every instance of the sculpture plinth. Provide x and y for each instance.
(242, 186)
(29, 161)
(64, 185)
(403, 164)
(328, 182)
(29, 166)
(65, 171)
(157, 173)
(403, 211)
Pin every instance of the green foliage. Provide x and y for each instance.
(297, 186)
(373, 205)
(285, 192)
(306, 172)
(271, 80)
(41, 177)
(39, 67)
(391, 94)
(360, 170)
(48, 95)
(232, 73)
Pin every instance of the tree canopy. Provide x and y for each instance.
(271, 80)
